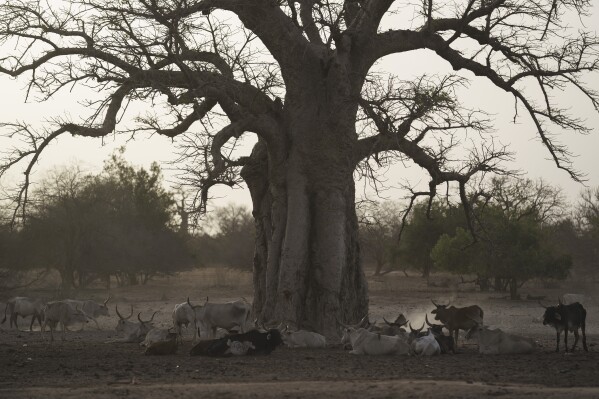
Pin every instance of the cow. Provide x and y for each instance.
(64, 313)
(456, 319)
(156, 335)
(132, 332)
(493, 342)
(565, 318)
(161, 345)
(426, 345)
(393, 328)
(183, 315)
(92, 308)
(230, 315)
(250, 343)
(304, 339)
(446, 342)
(364, 342)
(24, 307)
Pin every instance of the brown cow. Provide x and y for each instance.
(456, 319)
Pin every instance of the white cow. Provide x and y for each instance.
(426, 345)
(304, 339)
(24, 307)
(64, 313)
(92, 308)
(156, 335)
(130, 331)
(230, 315)
(364, 342)
(183, 315)
(492, 342)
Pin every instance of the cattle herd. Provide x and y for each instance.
(226, 329)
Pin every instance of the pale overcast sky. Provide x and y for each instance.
(531, 156)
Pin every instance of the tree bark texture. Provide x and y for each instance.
(307, 267)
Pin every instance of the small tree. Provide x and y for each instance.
(423, 229)
(514, 240)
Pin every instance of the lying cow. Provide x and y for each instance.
(396, 327)
(426, 345)
(156, 335)
(304, 339)
(130, 331)
(24, 307)
(159, 344)
(456, 319)
(446, 342)
(364, 342)
(230, 315)
(493, 342)
(567, 318)
(92, 308)
(249, 343)
(64, 313)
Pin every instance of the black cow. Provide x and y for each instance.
(446, 342)
(567, 317)
(250, 343)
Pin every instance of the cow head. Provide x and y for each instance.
(103, 309)
(437, 329)
(145, 326)
(415, 332)
(348, 329)
(439, 310)
(121, 325)
(552, 315)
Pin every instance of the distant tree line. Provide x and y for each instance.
(524, 229)
(121, 224)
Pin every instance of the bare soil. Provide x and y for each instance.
(84, 366)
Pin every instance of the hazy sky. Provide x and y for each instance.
(531, 155)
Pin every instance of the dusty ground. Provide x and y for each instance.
(85, 367)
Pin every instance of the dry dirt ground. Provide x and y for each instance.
(85, 367)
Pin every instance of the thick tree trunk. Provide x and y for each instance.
(307, 267)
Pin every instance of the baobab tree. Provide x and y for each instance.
(300, 75)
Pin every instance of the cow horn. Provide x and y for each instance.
(434, 303)
(427, 322)
(107, 299)
(363, 321)
(420, 329)
(116, 307)
(389, 324)
(542, 305)
(149, 321)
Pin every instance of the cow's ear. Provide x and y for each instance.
(558, 316)
(268, 336)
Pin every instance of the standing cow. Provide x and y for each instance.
(456, 319)
(92, 308)
(230, 315)
(64, 313)
(183, 315)
(566, 318)
(24, 307)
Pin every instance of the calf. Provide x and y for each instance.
(564, 318)
(249, 343)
